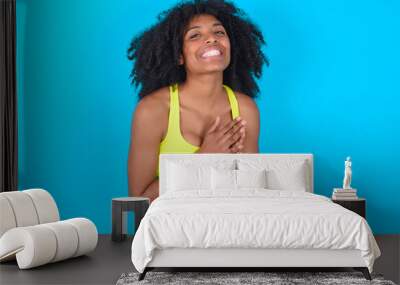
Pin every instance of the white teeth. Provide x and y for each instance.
(213, 52)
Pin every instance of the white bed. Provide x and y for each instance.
(249, 226)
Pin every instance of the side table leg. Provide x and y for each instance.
(140, 211)
(116, 222)
(124, 224)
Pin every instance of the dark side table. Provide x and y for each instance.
(357, 205)
(120, 206)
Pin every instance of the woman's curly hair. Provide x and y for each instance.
(156, 51)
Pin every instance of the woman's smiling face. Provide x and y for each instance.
(206, 45)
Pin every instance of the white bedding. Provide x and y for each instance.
(250, 218)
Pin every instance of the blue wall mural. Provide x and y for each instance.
(332, 89)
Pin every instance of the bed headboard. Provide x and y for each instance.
(214, 158)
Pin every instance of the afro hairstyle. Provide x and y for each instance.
(155, 52)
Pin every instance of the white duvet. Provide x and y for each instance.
(250, 218)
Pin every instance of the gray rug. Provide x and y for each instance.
(225, 278)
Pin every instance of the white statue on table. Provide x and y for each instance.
(347, 173)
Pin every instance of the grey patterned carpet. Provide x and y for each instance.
(225, 278)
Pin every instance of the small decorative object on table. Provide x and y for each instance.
(345, 193)
(347, 196)
(120, 206)
(347, 173)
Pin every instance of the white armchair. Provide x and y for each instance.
(31, 230)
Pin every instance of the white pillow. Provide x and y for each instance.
(237, 179)
(223, 179)
(251, 178)
(289, 179)
(181, 177)
(282, 174)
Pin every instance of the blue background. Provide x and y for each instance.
(332, 89)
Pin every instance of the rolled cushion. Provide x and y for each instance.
(23, 208)
(87, 235)
(7, 220)
(26, 208)
(46, 207)
(67, 240)
(33, 246)
(40, 244)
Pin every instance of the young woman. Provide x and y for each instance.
(196, 71)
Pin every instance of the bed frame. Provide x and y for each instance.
(246, 258)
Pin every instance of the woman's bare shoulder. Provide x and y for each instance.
(246, 103)
(151, 113)
(249, 112)
(154, 106)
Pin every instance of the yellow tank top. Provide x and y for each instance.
(174, 141)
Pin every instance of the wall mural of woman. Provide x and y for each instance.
(196, 68)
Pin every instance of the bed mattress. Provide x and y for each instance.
(253, 218)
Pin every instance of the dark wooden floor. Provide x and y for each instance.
(389, 262)
(103, 266)
(110, 260)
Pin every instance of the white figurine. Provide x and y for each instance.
(347, 174)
